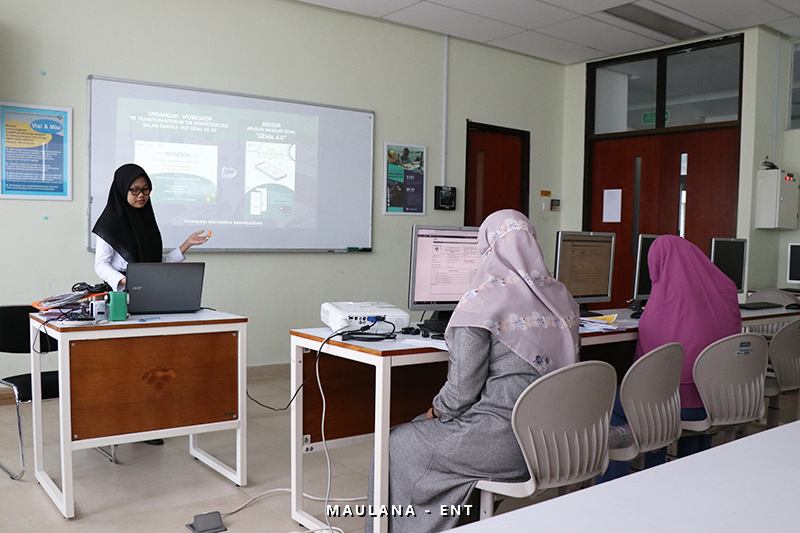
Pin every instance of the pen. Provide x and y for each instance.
(150, 318)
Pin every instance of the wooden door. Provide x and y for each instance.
(497, 171)
(647, 170)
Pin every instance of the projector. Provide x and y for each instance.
(355, 315)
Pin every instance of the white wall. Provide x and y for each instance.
(274, 48)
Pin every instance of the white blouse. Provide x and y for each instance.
(109, 265)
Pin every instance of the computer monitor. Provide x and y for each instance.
(793, 269)
(730, 256)
(444, 261)
(641, 278)
(585, 264)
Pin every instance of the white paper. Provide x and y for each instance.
(612, 205)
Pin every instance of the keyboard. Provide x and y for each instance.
(434, 326)
(752, 306)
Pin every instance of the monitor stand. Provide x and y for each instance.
(437, 323)
(585, 313)
(637, 305)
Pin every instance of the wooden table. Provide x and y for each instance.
(143, 378)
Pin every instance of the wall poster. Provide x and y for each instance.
(36, 157)
(405, 179)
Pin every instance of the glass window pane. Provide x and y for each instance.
(625, 97)
(703, 86)
(794, 114)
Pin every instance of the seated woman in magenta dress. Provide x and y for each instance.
(691, 302)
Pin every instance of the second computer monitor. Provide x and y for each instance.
(641, 279)
(585, 264)
(730, 256)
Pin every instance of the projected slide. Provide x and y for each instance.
(262, 174)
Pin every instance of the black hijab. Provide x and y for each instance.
(132, 232)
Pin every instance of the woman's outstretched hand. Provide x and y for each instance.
(194, 239)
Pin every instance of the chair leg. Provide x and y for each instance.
(19, 431)
(487, 504)
(773, 411)
(110, 455)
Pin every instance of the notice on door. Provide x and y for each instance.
(612, 205)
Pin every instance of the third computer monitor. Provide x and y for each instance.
(730, 256)
(641, 279)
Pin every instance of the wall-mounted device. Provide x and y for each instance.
(444, 198)
(354, 315)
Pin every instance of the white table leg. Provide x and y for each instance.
(383, 386)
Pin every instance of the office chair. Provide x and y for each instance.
(14, 338)
(776, 296)
(729, 374)
(561, 424)
(650, 397)
(784, 355)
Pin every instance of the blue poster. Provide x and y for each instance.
(35, 158)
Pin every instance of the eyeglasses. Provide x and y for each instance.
(136, 191)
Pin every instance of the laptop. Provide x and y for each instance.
(164, 287)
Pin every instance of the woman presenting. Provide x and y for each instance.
(127, 231)
(514, 325)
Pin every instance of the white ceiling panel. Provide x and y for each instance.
(730, 14)
(568, 31)
(371, 8)
(549, 48)
(530, 14)
(790, 26)
(599, 35)
(792, 6)
(453, 22)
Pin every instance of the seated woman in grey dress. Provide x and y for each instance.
(514, 325)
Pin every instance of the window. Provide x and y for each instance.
(703, 86)
(690, 85)
(626, 97)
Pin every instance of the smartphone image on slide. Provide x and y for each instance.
(255, 202)
(270, 170)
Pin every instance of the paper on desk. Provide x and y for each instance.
(600, 323)
(423, 342)
(608, 319)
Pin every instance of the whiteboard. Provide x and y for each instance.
(262, 174)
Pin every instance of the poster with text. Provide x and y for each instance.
(36, 157)
(405, 179)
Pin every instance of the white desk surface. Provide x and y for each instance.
(751, 484)
(140, 321)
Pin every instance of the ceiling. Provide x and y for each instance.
(571, 31)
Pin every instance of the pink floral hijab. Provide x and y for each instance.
(514, 297)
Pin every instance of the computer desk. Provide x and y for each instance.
(348, 391)
(134, 380)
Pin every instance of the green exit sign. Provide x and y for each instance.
(650, 118)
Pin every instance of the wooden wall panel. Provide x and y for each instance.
(138, 384)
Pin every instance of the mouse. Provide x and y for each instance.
(636, 314)
(792, 306)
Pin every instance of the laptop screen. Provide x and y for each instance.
(164, 287)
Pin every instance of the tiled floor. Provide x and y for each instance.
(160, 488)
